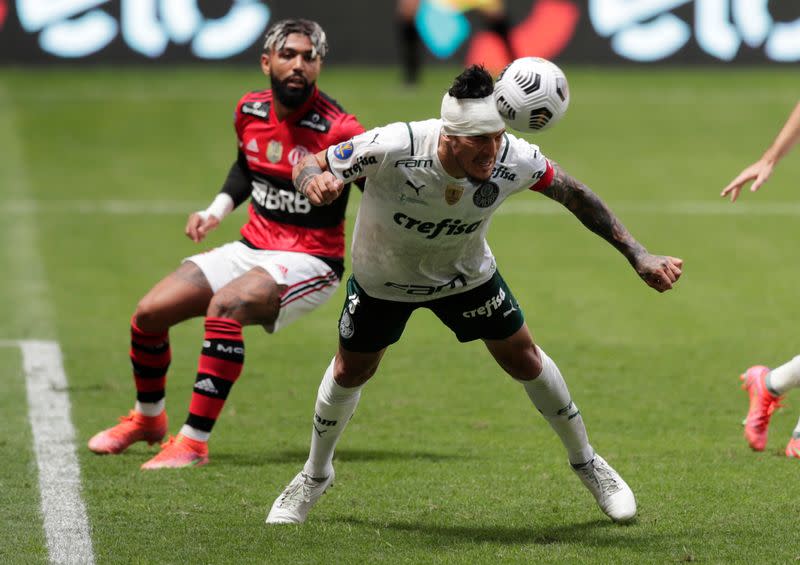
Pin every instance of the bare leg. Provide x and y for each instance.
(183, 294)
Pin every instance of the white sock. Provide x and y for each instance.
(784, 378)
(796, 432)
(194, 433)
(334, 408)
(549, 394)
(150, 409)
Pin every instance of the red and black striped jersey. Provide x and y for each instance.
(280, 218)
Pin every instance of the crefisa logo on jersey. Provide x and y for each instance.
(486, 195)
(343, 150)
(501, 171)
(358, 167)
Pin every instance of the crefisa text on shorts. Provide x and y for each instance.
(491, 306)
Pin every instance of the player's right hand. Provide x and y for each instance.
(758, 172)
(660, 272)
(197, 226)
(323, 189)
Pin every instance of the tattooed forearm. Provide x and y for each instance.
(592, 212)
(304, 172)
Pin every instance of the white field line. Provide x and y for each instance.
(66, 524)
(515, 207)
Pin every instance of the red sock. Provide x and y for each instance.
(150, 356)
(219, 366)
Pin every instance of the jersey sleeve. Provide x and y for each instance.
(237, 184)
(543, 177)
(536, 172)
(363, 155)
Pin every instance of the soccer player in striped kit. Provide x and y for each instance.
(289, 261)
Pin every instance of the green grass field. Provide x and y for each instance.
(445, 461)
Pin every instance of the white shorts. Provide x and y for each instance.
(309, 281)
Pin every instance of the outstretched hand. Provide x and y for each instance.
(660, 272)
(198, 225)
(322, 189)
(760, 171)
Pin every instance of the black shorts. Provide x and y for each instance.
(488, 311)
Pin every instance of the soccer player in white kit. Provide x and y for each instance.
(420, 242)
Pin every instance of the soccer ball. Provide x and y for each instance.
(531, 94)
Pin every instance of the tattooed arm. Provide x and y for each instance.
(658, 271)
(313, 180)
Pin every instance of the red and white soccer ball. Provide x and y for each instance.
(531, 94)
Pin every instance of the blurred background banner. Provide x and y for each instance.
(364, 31)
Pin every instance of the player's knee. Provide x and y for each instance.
(245, 308)
(350, 375)
(526, 364)
(147, 316)
(227, 304)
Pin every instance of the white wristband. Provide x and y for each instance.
(219, 208)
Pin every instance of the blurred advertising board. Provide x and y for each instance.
(364, 31)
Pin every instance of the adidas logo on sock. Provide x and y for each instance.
(207, 385)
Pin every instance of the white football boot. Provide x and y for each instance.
(292, 506)
(613, 494)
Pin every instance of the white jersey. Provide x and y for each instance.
(420, 234)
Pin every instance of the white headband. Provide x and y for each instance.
(470, 116)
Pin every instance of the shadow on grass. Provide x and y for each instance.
(299, 456)
(597, 533)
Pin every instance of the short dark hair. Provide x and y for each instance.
(277, 34)
(474, 82)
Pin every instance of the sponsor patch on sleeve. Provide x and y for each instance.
(343, 150)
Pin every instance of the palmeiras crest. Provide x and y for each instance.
(346, 328)
(486, 195)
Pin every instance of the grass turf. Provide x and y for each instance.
(445, 461)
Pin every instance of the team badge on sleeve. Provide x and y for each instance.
(343, 150)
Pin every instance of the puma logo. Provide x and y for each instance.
(416, 188)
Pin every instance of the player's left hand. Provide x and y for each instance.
(198, 225)
(660, 272)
